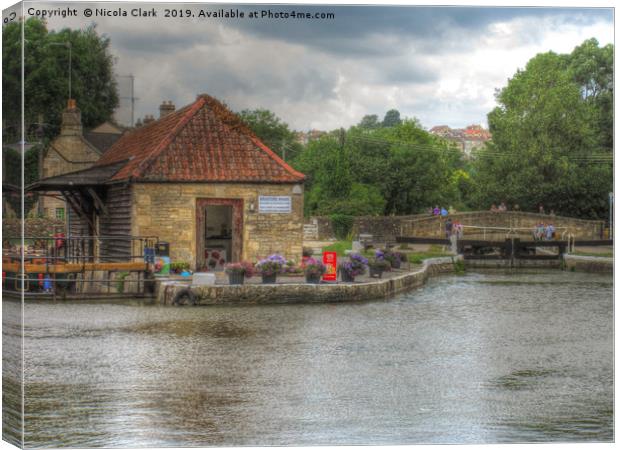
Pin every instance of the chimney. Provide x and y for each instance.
(166, 108)
(71, 120)
(148, 119)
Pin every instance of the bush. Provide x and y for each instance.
(342, 225)
(120, 281)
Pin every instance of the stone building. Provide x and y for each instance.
(197, 178)
(466, 139)
(72, 150)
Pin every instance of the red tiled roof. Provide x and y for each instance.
(202, 142)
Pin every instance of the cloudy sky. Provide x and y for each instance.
(441, 65)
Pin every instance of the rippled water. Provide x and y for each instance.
(493, 357)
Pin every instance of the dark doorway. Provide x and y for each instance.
(219, 232)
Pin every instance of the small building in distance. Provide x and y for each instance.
(72, 150)
(197, 178)
(304, 137)
(467, 139)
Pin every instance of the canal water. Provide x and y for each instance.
(482, 358)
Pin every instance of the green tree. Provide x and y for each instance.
(592, 69)
(370, 122)
(546, 132)
(46, 82)
(392, 118)
(272, 131)
(396, 170)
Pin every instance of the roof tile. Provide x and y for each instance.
(202, 142)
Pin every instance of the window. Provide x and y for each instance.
(60, 213)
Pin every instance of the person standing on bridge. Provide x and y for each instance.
(448, 226)
(550, 232)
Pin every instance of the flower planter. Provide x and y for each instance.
(313, 279)
(346, 277)
(375, 272)
(395, 263)
(236, 278)
(268, 279)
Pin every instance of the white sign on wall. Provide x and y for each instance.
(274, 204)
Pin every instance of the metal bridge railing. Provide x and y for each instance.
(58, 263)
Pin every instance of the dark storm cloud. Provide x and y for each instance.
(351, 30)
(440, 64)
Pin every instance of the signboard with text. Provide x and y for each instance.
(271, 204)
(330, 259)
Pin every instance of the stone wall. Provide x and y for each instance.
(322, 229)
(69, 152)
(310, 293)
(35, 227)
(168, 210)
(386, 228)
(595, 264)
(381, 227)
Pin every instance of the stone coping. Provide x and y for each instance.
(596, 264)
(288, 293)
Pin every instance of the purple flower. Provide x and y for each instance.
(271, 265)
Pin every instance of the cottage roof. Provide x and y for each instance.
(202, 142)
(101, 141)
(93, 176)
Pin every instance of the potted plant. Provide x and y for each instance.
(292, 269)
(306, 254)
(356, 265)
(314, 270)
(270, 267)
(394, 258)
(239, 271)
(377, 266)
(178, 266)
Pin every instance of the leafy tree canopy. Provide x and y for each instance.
(370, 122)
(398, 170)
(392, 118)
(551, 141)
(272, 131)
(46, 80)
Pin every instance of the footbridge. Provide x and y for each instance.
(488, 225)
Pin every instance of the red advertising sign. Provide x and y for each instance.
(330, 259)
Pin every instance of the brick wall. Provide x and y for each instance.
(168, 211)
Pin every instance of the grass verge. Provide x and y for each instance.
(339, 247)
(435, 251)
